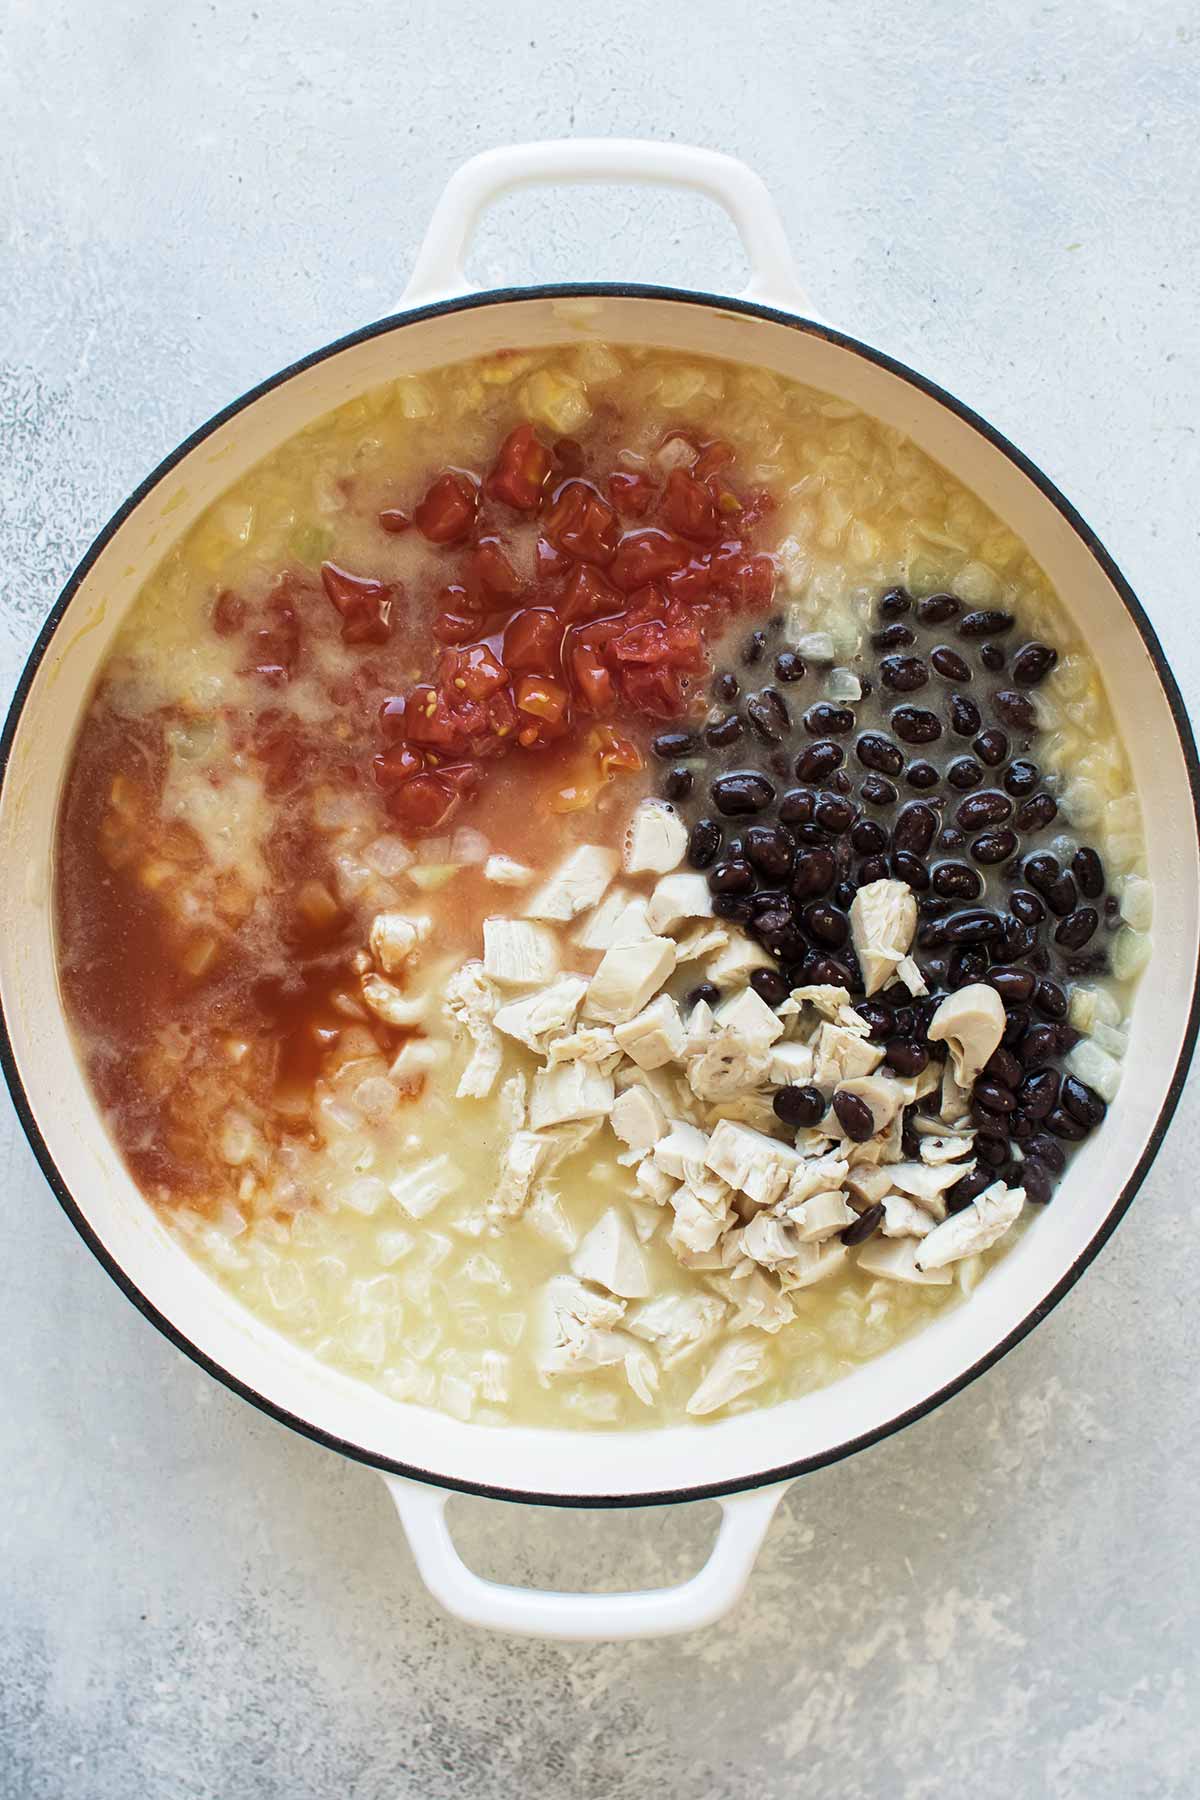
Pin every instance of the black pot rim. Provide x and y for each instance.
(787, 1471)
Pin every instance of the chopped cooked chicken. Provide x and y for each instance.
(840, 1054)
(637, 1118)
(533, 1018)
(977, 1227)
(972, 1022)
(566, 1091)
(928, 1185)
(736, 1368)
(812, 1263)
(749, 1020)
(394, 937)
(610, 1255)
(758, 1299)
(678, 1325)
(759, 1166)
(590, 1044)
(656, 839)
(821, 1215)
(902, 1217)
(505, 872)
(733, 966)
(388, 1003)
(470, 1001)
(576, 1328)
(677, 898)
(628, 976)
(883, 918)
(524, 1157)
(896, 1258)
(518, 954)
(576, 886)
(655, 1036)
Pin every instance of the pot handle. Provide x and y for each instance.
(707, 1596)
(438, 271)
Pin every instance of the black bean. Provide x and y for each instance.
(878, 1017)
(1041, 871)
(865, 1226)
(678, 784)
(956, 881)
(1082, 1102)
(878, 792)
(992, 656)
(951, 838)
(668, 746)
(1036, 1182)
(973, 925)
(903, 674)
(872, 868)
(732, 906)
(991, 747)
(967, 1188)
(704, 841)
(1077, 927)
(1045, 1150)
(906, 1058)
(1062, 896)
(832, 813)
(753, 647)
(910, 868)
(854, 1116)
(1021, 777)
(894, 603)
(818, 761)
(799, 1105)
(936, 609)
(1038, 1093)
(813, 874)
(893, 637)
(915, 827)
(1014, 985)
(706, 992)
(875, 751)
(1032, 663)
(964, 773)
(1016, 1024)
(1026, 906)
(1064, 1126)
(732, 877)
(768, 713)
(949, 664)
(1002, 1066)
(1050, 999)
(770, 986)
(790, 666)
(1036, 812)
(796, 807)
(921, 775)
(779, 932)
(725, 686)
(968, 964)
(844, 894)
(743, 792)
(988, 622)
(720, 732)
(868, 837)
(991, 807)
(1015, 708)
(826, 720)
(964, 716)
(915, 725)
(769, 848)
(990, 1147)
(994, 846)
(834, 972)
(1088, 871)
(826, 924)
(1038, 1045)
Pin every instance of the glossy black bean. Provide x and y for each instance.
(877, 791)
(854, 1116)
(790, 666)
(1088, 871)
(1041, 870)
(877, 752)
(818, 761)
(990, 807)
(956, 881)
(835, 971)
(779, 933)
(915, 827)
(827, 720)
(992, 656)
(936, 609)
(844, 893)
(753, 648)
(910, 868)
(872, 868)
(968, 964)
(972, 925)
(916, 725)
(732, 877)
(1026, 906)
(768, 714)
(813, 874)
(840, 782)
(769, 848)
(865, 1226)
(921, 775)
(1021, 1127)
(799, 1105)
(1038, 1045)
(668, 746)
(719, 733)
(1078, 926)
(964, 773)
(991, 747)
(1002, 1066)
(1062, 1125)
(704, 841)
(796, 807)
(910, 1142)
(1016, 1024)
(987, 622)
(896, 636)
(868, 837)
(989, 1146)
(1012, 985)
(879, 1018)
(1062, 896)
(964, 716)
(732, 906)
(903, 674)
(906, 1058)
(741, 793)
(949, 664)
(1021, 777)
(677, 784)
(1038, 1093)
(827, 924)
(725, 686)
(1050, 999)
(994, 846)
(1032, 663)
(1035, 813)
(951, 838)
(894, 603)
(770, 986)
(1036, 1181)
(1045, 1150)
(967, 1188)
(1016, 709)
(1082, 1102)
(1018, 943)
(706, 992)
(833, 813)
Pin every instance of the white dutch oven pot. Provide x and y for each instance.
(744, 1462)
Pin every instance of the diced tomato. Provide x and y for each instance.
(656, 691)
(521, 470)
(274, 647)
(228, 613)
(747, 580)
(632, 494)
(532, 640)
(645, 643)
(365, 604)
(692, 582)
(588, 595)
(423, 803)
(646, 556)
(454, 628)
(447, 512)
(392, 713)
(689, 508)
(398, 764)
(492, 576)
(616, 753)
(568, 454)
(474, 671)
(592, 679)
(542, 697)
(550, 561)
(392, 519)
(712, 457)
(582, 523)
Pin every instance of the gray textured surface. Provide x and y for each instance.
(194, 1603)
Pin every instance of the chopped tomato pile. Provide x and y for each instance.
(631, 572)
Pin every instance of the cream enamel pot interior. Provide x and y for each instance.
(748, 1460)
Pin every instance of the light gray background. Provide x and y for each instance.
(194, 1603)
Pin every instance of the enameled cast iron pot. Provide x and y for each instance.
(745, 1462)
